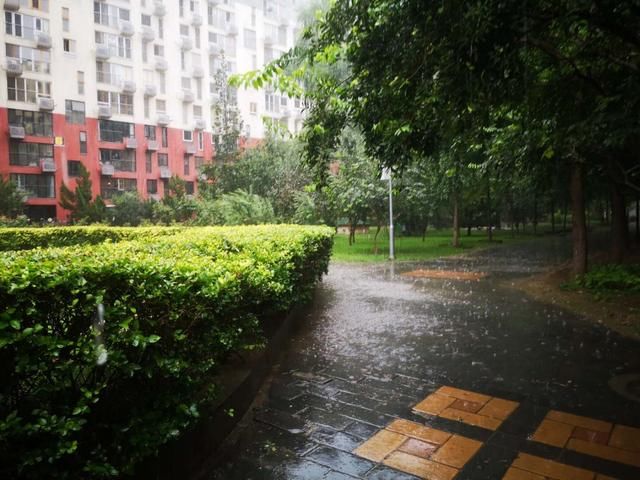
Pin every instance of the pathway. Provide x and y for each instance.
(400, 377)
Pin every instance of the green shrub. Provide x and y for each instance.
(81, 398)
(611, 278)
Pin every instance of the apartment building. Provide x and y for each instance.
(131, 90)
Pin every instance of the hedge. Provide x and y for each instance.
(28, 238)
(82, 397)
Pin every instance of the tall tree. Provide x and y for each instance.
(11, 200)
(80, 201)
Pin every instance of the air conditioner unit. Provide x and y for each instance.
(43, 40)
(161, 64)
(196, 19)
(16, 132)
(126, 28)
(199, 124)
(128, 86)
(150, 90)
(131, 142)
(104, 111)
(268, 40)
(186, 43)
(47, 165)
(214, 49)
(14, 67)
(103, 52)
(12, 5)
(163, 119)
(232, 30)
(188, 96)
(148, 35)
(108, 169)
(159, 10)
(165, 172)
(190, 147)
(152, 145)
(46, 103)
(198, 72)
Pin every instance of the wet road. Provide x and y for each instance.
(377, 342)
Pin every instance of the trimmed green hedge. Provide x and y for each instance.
(47, 237)
(85, 398)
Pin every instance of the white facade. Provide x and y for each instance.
(144, 61)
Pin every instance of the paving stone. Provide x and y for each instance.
(380, 445)
(339, 440)
(338, 476)
(549, 468)
(280, 420)
(418, 448)
(626, 438)
(415, 430)
(360, 430)
(456, 451)
(553, 433)
(311, 377)
(341, 461)
(303, 469)
(328, 419)
(579, 421)
(386, 473)
(420, 467)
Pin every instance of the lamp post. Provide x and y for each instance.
(386, 175)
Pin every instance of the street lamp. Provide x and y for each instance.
(386, 175)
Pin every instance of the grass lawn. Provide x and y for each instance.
(436, 244)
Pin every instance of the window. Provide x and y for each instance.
(34, 123)
(39, 186)
(187, 135)
(253, 108)
(32, 59)
(150, 132)
(196, 31)
(148, 161)
(110, 187)
(296, 102)
(80, 83)
(186, 83)
(160, 29)
(199, 88)
(184, 30)
(200, 141)
(162, 80)
(283, 101)
(145, 20)
(186, 165)
(183, 61)
(161, 106)
(73, 168)
(158, 50)
(65, 19)
(113, 73)
(25, 154)
(119, 46)
(83, 143)
(163, 160)
(181, 8)
(199, 162)
(249, 39)
(147, 107)
(164, 133)
(145, 56)
(185, 113)
(282, 35)
(109, 15)
(27, 90)
(189, 188)
(111, 131)
(24, 26)
(74, 111)
(270, 103)
(68, 45)
(121, 103)
(42, 5)
(152, 187)
(122, 160)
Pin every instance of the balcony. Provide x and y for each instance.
(268, 40)
(199, 124)
(131, 143)
(150, 90)
(46, 103)
(198, 72)
(14, 67)
(148, 35)
(214, 3)
(128, 86)
(16, 132)
(12, 5)
(103, 52)
(107, 169)
(126, 29)
(47, 165)
(188, 96)
(159, 10)
(43, 40)
(104, 111)
(165, 172)
(152, 145)
(214, 49)
(163, 119)
(185, 43)
(196, 19)
(161, 64)
(190, 147)
(283, 21)
(232, 30)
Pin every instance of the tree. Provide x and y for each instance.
(130, 209)
(11, 200)
(80, 201)
(227, 123)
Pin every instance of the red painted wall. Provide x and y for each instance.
(71, 151)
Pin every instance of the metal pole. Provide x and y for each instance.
(392, 247)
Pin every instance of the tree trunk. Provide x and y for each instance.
(489, 216)
(637, 217)
(535, 212)
(456, 222)
(375, 238)
(618, 224)
(579, 231)
(564, 216)
(468, 230)
(553, 215)
(424, 231)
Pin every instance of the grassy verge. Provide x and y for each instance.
(436, 244)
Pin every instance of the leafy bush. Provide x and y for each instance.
(82, 397)
(28, 238)
(610, 278)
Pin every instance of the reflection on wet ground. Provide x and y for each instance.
(377, 342)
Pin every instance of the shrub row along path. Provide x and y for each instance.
(395, 376)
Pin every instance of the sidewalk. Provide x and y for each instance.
(395, 377)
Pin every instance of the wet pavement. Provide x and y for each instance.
(377, 343)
